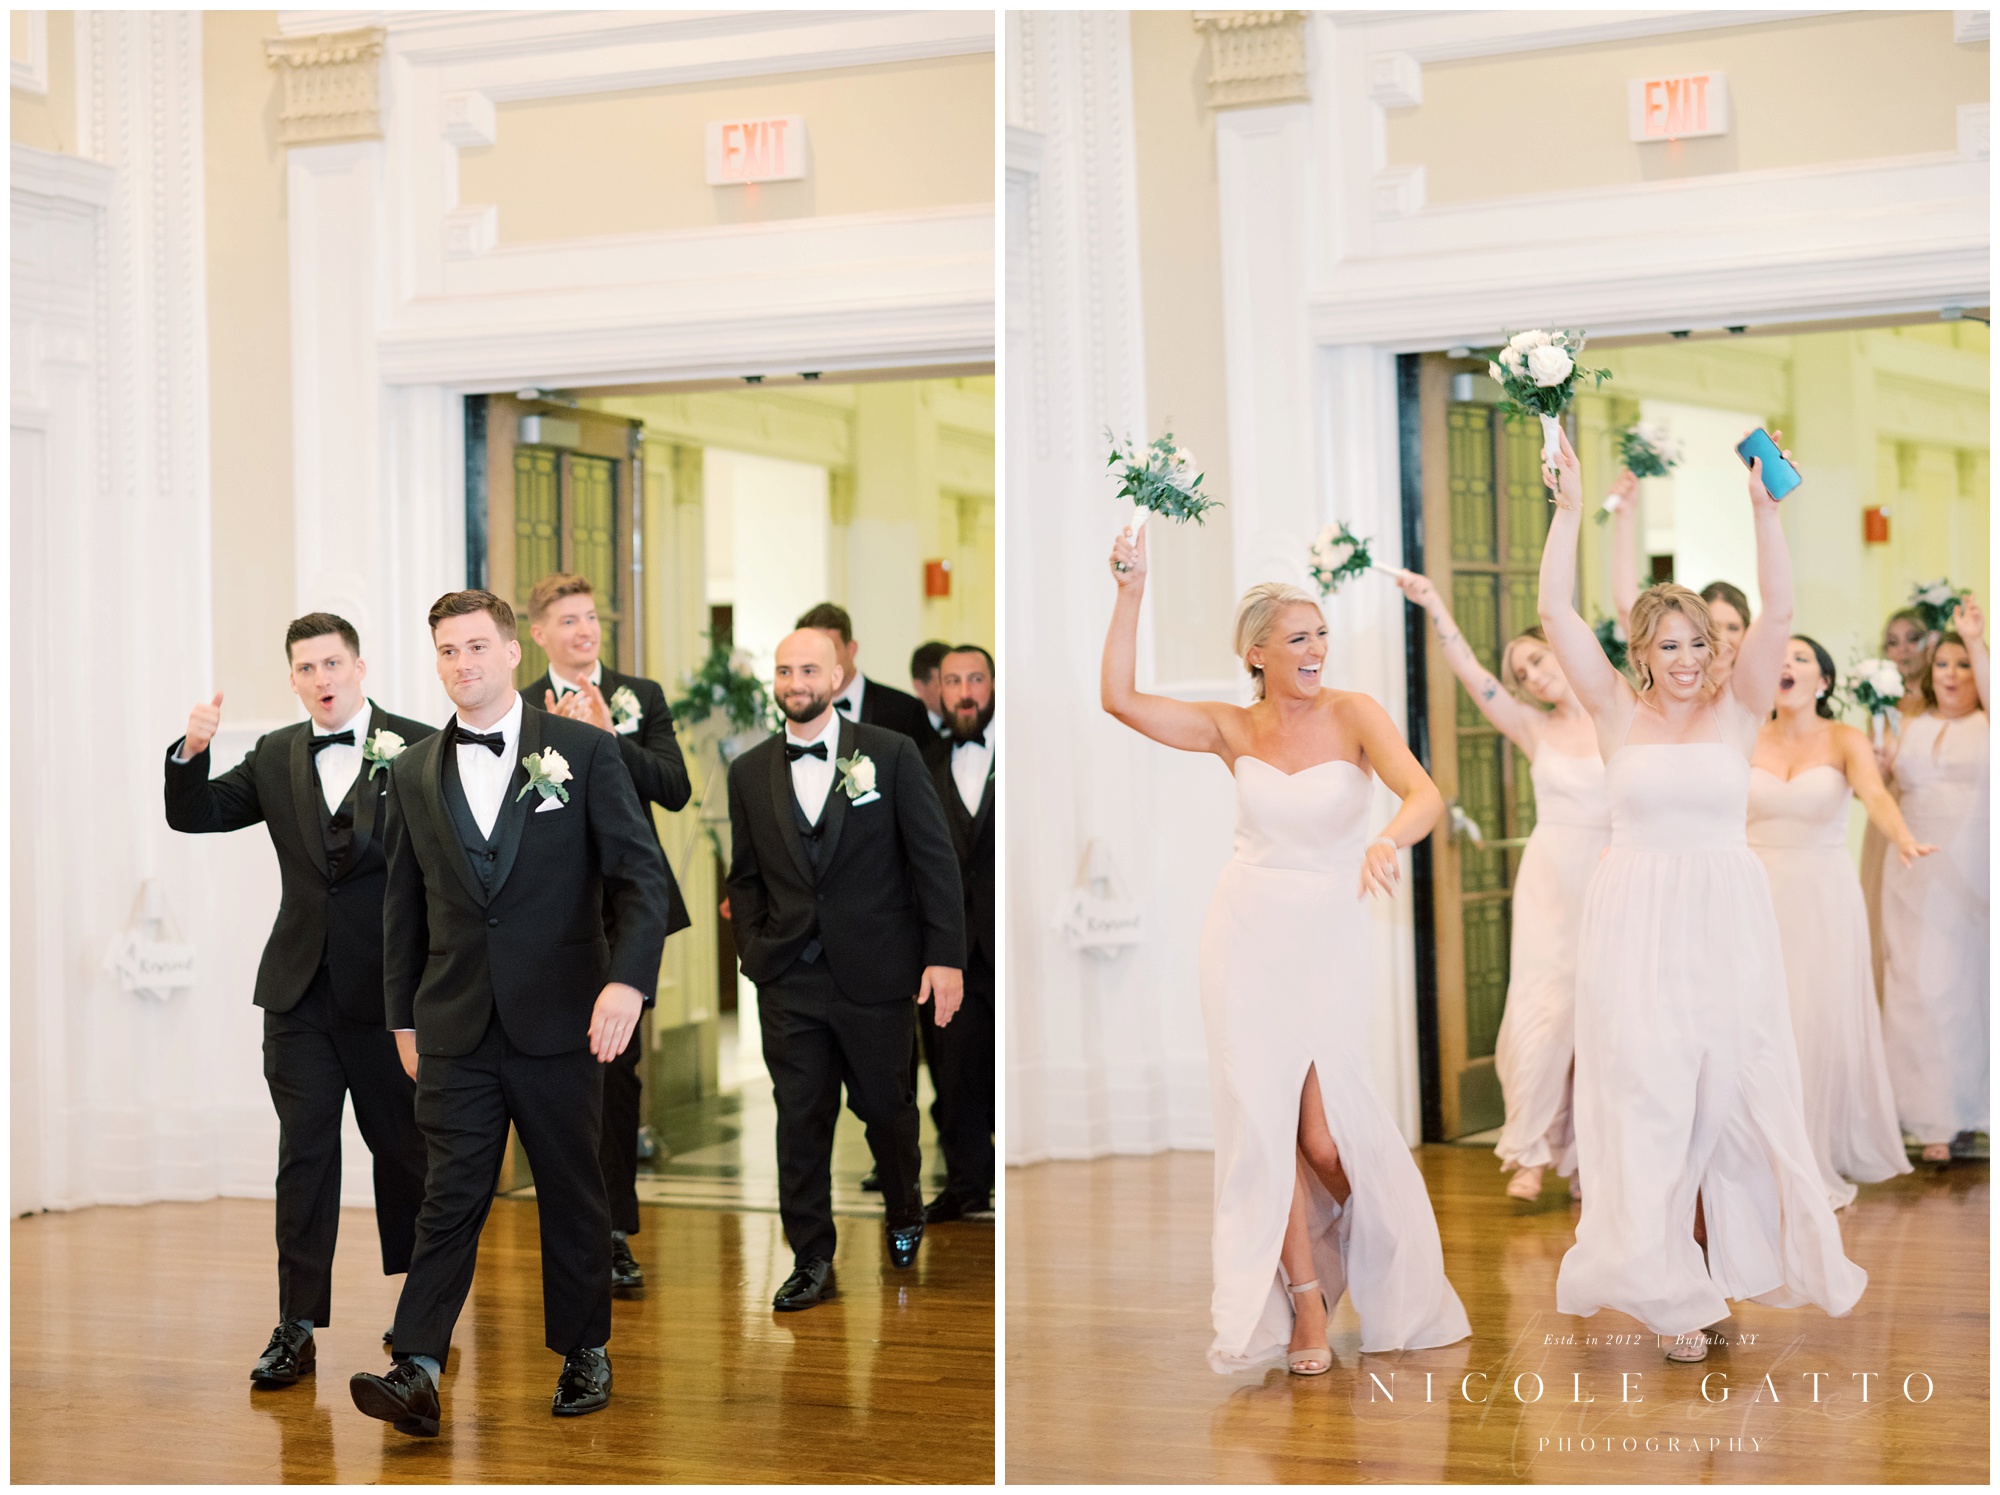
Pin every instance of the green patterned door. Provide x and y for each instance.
(1485, 517)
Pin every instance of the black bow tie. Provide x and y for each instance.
(345, 739)
(794, 752)
(464, 737)
(845, 708)
(976, 739)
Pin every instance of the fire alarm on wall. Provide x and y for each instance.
(1874, 525)
(937, 578)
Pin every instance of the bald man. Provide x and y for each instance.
(845, 900)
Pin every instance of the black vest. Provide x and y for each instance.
(809, 838)
(336, 827)
(480, 851)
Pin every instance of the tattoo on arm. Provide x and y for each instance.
(1488, 690)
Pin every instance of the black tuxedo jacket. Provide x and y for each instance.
(652, 755)
(534, 947)
(973, 835)
(320, 915)
(898, 710)
(885, 901)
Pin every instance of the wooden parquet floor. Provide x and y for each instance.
(1107, 1321)
(134, 1330)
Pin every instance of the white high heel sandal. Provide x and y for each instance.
(1687, 1349)
(1309, 1362)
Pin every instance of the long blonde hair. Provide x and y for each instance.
(1650, 611)
(1257, 613)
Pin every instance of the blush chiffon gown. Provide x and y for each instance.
(1287, 990)
(1798, 828)
(1936, 927)
(1538, 1025)
(1687, 1079)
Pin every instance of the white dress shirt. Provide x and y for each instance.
(563, 687)
(483, 777)
(848, 702)
(938, 723)
(812, 778)
(339, 764)
(970, 764)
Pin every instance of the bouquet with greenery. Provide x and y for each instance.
(1338, 556)
(1875, 685)
(1606, 630)
(1648, 451)
(1935, 602)
(1159, 479)
(1538, 373)
(724, 686)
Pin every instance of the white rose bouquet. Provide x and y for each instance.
(1161, 478)
(1875, 685)
(1935, 602)
(1648, 451)
(1338, 556)
(1538, 373)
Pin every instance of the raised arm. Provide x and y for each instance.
(1597, 685)
(1517, 721)
(1858, 758)
(1760, 658)
(1625, 550)
(1189, 725)
(1970, 624)
(1397, 767)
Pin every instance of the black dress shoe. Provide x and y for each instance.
(811, 1283)
(389, 1337)
(872, 1180)
(288, 1356)
(585, 1384)
(903, 1243)
(626, 1276)
(404, 1397)
(949, 1206)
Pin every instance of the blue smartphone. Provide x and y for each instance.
(1780, 477)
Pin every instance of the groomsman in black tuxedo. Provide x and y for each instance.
(562, 618)
(924, 686)
(844, 898)
(860, 699)
(318, 787)
(507, 833)
(962, 1055)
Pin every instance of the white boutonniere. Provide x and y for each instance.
(548, 771)
(624, 711)
(857, 775)
(379, 751)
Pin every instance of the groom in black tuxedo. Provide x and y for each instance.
(845, 902)
(319, 788)
(508, 832)
(562, 617)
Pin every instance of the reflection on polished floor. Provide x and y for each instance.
(134, 1330)
(1107, 1322)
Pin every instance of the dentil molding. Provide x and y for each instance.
(332, 85)
(1255, 57)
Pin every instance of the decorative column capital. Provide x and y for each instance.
(1255, 57)
(332, 85)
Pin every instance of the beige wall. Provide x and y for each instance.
(1817, 89)
(1180, 279)
(249, 366)
(48, 123)
(895, 136)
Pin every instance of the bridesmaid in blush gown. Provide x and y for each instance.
(1541, 716)
(1700, 1181)
(1316, 1192)
(1907, 646)
(1804, 770)
(1936, 997)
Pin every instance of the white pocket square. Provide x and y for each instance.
(867, 799)
(547, 805)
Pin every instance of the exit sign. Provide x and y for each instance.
(1678, 108)
(756, 150)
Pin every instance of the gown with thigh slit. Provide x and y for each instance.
(1798, 828)
(1936, 927)
(1287, 988)
(1538, 1025)
(1687, 1080)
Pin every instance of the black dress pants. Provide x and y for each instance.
(618, 1147)
(464, 1103)
(314, 1058)
(817, 1039)
(962, 1073)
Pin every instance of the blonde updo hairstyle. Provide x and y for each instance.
(1257, 615)
(1511, 677)
(1650, 611)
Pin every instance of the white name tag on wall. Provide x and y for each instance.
(149, 957)
(741, 151)
(1096, 915)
